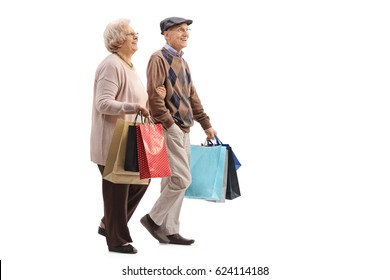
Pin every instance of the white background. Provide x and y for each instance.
(300, 89)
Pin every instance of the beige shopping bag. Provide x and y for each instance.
(114, 169)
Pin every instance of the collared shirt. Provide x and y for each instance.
(173, 51)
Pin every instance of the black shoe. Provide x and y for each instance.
(102, 231)
(153, 229)
(179, 240)
(128, 249)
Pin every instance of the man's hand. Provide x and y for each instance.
(210, 132)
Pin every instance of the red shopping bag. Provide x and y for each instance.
(152, 152)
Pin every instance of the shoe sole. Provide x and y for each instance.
(179, 243)
(120, 250)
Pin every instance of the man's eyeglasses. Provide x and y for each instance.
(133, 34)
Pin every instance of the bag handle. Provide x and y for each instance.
(150, 120)
(143, 119)
(209, 142)
(219, 142)
(139, 113)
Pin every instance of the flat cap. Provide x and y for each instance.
(172, 21)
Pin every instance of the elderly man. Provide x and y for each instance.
(176, 111)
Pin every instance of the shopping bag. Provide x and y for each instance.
(225, 175)
(131, 155)
(224, 183)
(152, 152)
(207, 164)
(232, 187)
(235, 159)
(114, 168)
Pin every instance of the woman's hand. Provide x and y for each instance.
(161, 91)
(144, 111)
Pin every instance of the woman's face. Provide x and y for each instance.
(131, 42)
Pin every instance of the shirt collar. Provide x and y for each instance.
(173, 51)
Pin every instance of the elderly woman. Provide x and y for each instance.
(118, 94)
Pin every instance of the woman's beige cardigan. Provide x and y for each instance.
(117, 91)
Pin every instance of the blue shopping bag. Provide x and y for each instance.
(208, 171)
(232, 185)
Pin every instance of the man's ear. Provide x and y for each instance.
(165, 34)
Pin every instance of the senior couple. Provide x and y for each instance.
(171, 99)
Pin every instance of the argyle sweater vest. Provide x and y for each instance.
(181, 104)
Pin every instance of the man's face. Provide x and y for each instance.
(177, 36)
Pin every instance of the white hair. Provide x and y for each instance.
(115, 34)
